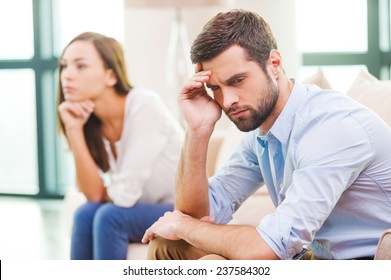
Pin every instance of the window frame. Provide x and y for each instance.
(44, 65)
(374, 58)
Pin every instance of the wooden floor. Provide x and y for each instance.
(32, 229)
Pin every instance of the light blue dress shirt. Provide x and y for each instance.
(326, 163)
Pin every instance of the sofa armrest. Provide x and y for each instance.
(383, 250)
(254, 209)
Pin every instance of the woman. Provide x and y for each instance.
(125, 144)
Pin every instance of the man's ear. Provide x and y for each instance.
(275, 60)
(111, 78)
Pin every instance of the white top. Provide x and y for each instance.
(147, 153)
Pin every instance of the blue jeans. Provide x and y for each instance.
(102, 231)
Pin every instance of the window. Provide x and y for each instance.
(343, 37)
(18, 126)
(34, 160)
(11, 48)
(332, 26)
(18, 144)
(75, 16)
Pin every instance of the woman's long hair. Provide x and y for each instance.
(111, 52)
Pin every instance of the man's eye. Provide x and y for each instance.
(214, 88)
(237, 81)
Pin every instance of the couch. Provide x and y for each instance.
(366, 89)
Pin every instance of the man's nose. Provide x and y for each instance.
(230, 98)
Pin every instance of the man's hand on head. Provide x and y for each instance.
(199, 109)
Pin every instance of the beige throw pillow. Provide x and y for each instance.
(318, 79)
(373, 93)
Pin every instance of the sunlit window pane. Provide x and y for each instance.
(340, 77)
(385, 73)
(16, 32)
(75, 16)
(18, 133)
(389, 26)
(332, 25)
(385, 25)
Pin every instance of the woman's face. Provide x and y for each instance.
(83, 75)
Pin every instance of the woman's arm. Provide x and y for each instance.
(74, 115)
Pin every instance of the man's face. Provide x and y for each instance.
(242, 89)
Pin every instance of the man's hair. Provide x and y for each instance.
(237, 27)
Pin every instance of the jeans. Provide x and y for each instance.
(102, 231)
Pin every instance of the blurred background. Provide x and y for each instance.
(36, 169)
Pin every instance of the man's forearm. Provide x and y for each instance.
(192, 183)
(233, 242)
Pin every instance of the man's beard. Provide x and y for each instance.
(260, 113)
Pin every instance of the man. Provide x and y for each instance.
(325, 159)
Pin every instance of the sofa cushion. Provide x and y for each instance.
(372, 93)
(137, 251)
(318, 79)
(254, 209)
(383, 250)
(231, 140)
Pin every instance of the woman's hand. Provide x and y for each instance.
(75, 114)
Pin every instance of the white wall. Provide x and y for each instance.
(280, 14)
(147, 32)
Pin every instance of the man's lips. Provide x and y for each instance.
(238, 113)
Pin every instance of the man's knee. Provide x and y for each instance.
(163, 249)
(160, 249)
(213, 257)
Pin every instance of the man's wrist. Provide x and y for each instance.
(183, 225)
(200, 133)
